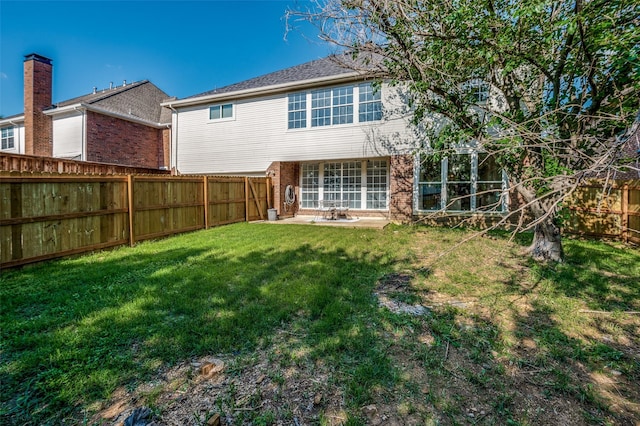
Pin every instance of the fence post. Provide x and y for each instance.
(246, 199)
(205, 181)
(130, 198)
(625, 213)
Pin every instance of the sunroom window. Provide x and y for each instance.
(310, 185)
(430, 187)
(461, 183)
(490, 184)
(377, 184)
(362, 184)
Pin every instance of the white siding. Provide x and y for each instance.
(258, 136)
(68, 136)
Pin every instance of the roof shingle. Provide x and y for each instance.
(325, 67)
(140, 99)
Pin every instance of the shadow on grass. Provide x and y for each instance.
(472, 370)
(461, 366)
(572, 372)
(74, 331)
(602, 274)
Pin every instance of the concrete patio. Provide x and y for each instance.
(362, 222)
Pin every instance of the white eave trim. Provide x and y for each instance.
(87, 107)
(266, 90)
(12, 121)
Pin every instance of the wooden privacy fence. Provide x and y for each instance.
(612, 213)
(48, 216)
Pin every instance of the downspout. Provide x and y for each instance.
(83, 144)
(168, 126)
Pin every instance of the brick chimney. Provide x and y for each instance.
(38, 128)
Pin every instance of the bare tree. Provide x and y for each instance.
(550, 89)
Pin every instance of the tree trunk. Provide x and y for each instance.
(547, 242)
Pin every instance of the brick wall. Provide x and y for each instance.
(163, 156)
(401, 188)
(115, 141)
(38, 128)
(283, 174)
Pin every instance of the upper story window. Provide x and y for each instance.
(334, 106)
(220, 112)
(321, 107)
(478, 89)
(8, 141)
(343, 105)
(297, 110)
(370, 103)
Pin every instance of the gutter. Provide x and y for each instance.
(14, 121)
(267, 90)
(88, 107)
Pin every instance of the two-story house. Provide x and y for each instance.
(330, 133)
(123, 125)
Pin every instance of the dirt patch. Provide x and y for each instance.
(255, 390)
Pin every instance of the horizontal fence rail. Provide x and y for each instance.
(44, 216)
(611, 212)
(31, 163)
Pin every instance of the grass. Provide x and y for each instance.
(504, 337)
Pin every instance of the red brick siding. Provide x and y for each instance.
(401, 188)
(115, 141)
(37, 96)
(283, 174)
(163, 156)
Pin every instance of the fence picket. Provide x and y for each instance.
(44, 216)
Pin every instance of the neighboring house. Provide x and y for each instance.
(123, 125)
(331, 134)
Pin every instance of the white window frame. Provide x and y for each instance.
(221, 109)
(324, 104)
(444, 183)
(342, 102)
(5, 138)
(297, 105)
(479, 89)
(377, 175)
(373, 98)
(312, 183)
(335, 113)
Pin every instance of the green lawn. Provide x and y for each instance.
(504, 337)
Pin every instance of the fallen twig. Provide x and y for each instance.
(586, 311)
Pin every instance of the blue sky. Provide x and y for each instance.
(183, 47)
